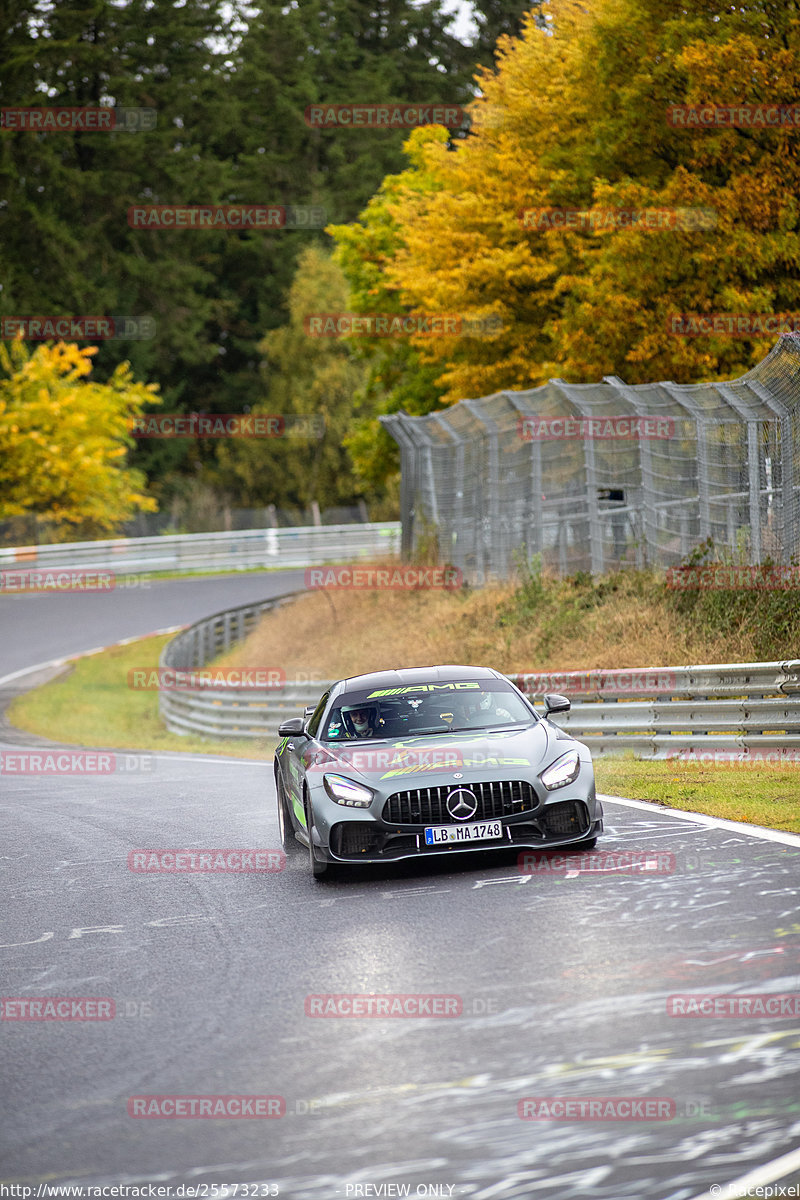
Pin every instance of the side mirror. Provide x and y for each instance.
(554, 703)
(292, 728)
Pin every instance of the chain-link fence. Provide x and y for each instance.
(596, 476)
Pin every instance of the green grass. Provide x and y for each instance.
(92, 705)
(761, 794)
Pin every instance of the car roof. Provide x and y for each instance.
(411, 675)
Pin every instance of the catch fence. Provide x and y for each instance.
(598, 476)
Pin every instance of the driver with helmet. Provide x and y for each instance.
(361, 720)
(489, 709)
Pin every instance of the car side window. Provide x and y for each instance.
(316, 716)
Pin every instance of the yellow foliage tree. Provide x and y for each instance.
(575, 117)
(64, 438)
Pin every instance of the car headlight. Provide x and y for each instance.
(562, 771)
(346, 791)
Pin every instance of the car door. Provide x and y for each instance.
(298, 753)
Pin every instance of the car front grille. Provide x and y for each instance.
(427, 806)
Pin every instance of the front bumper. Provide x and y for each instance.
(349, 835)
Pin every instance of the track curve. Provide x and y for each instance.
(563, 981)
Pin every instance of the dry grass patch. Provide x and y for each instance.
(620, 621)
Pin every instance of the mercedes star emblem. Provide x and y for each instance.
(462, 804)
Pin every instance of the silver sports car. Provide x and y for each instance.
(430, 760)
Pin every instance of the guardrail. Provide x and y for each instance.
(302, 546)
(744, 710)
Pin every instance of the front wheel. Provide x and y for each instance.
(288, 840)
(318, 869)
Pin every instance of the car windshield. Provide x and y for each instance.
(426, 709)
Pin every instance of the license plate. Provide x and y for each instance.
(478, 831)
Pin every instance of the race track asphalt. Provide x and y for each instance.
(561, 981)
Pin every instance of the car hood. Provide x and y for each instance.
(432, 760)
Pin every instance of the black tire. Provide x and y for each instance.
(318, 869)
(290, 844)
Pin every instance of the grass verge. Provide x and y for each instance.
(92, 705)
(759, 794)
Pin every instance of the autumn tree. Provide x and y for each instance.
(64, 440)
(575, 118)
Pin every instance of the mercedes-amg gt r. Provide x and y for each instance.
(432, 760)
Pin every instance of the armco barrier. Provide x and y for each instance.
(743, 709)
(302, 546)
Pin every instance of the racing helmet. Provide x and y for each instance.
(360, 719)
